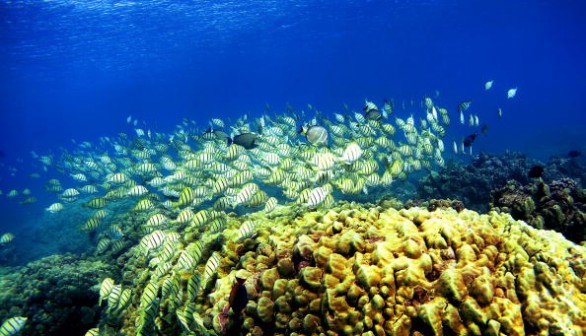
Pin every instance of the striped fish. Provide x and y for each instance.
(105, 289)
(167, 252)
(217, 225)
(152, 241)
(352, 153)
(102, 245)
(55, 207)
(193, 286)
(91, 224)
(123, 300)
(270, 204)
(117, 178)
(166, 288)
(220, 185)
(316, 197)
(185, 261)
(245, 194)
(185, 197)
(79, 177)
(247, 229)
(6, 238)
(12, 326)
(144, 204)
(137, 190)
(184, 216)
(89, 189)
(96, 203)
(149, 295)
(211, 268)
(93, 332)
(196, 251)
(162, 269)
(200, 218)
(114, 297)
(156, 220)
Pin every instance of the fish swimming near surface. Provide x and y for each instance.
(469, 140)
(535, 171)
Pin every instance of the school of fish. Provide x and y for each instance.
(190, 180)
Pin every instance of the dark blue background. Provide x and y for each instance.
(77, 69)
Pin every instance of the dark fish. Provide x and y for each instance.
(572, 153)
(373, 114)
(238, 297)
(535, 171)
(469, 140)
(246, 140)
(484, 129)
(463, 106)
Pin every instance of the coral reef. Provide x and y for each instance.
(558, 167)
(54, 293)
(435, 204)
(356, 270)
(472, 183)
(559, 205)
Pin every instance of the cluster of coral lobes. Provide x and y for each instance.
(351, 270)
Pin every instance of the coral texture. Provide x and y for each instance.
(353, 270)
(559, 205)
(55, 294)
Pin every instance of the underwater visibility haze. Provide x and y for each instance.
(292, 167)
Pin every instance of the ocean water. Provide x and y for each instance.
(73, 71)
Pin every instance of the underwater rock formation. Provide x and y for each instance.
(54, 293)
(435, 204)
(559, 205)
(472, 183)
(353, 270)
(559, 167)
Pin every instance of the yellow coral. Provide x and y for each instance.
(354, 270)
(397, 272)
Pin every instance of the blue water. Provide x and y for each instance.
(74, 70)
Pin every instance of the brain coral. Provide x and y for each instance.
(372, 271)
